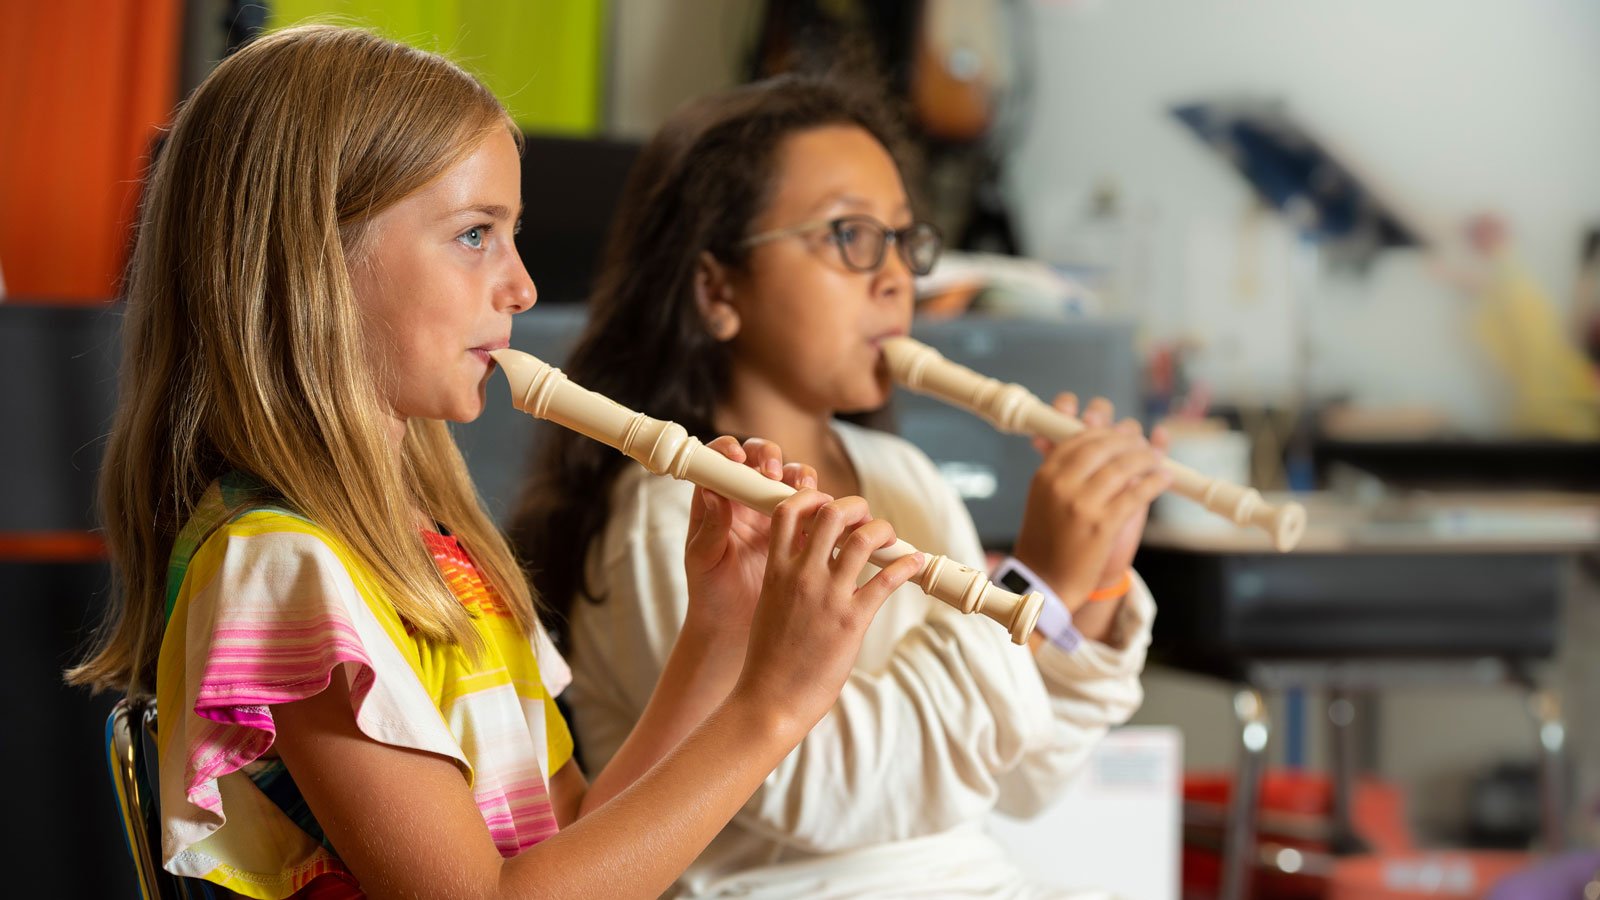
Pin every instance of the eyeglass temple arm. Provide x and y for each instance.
(769, 236)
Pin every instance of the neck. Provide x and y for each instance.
(756, 408)
(396, 430)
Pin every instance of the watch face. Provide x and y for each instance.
(1015, 582)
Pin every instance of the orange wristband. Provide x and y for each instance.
(1116, 591)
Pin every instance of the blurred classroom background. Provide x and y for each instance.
(1345, 250)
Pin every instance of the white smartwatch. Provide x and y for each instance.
(1055, 620)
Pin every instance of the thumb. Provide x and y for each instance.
(709, 522)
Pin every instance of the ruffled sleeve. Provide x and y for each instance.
(555, 674)
(269, 611)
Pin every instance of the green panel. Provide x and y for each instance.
(542, 58)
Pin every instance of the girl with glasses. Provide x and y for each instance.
(764, 248)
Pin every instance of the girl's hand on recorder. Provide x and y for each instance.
(809, 623)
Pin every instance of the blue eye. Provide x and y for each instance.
(847, 234)
(474, 237)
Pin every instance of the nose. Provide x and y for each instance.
(517, 292)
(893, 282)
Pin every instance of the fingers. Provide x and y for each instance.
(1092, 469)
(728, 446)
(843, 536)
(1098, 414)
(1119, 473)
(789, 521)
(859, 544)
(762, 455)
(705, 500)
(1160, 438)
(710, 519)
(765, 457)
(871, 595)
(799, 476)
(828, 527)
(1147, 489)
(1073, 461)
(1067, 403)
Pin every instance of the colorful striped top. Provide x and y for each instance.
(265, 608)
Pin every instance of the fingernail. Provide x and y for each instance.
(809, 482)
(772, 469)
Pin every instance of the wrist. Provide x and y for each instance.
(707, 649)
(715, 615)
(1055, 617)
(1113, 588)
(1041, 569)
(766, 722)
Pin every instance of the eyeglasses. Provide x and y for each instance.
(864, 241)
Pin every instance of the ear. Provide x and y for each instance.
(713, 297)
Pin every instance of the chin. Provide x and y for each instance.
(467, 410)
(866, 401)
(473, 407)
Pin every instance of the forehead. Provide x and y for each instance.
(491, 172)
(840, 165)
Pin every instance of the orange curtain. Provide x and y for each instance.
(84, 87)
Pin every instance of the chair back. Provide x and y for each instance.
(131, 757)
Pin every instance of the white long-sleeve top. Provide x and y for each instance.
(942, 720)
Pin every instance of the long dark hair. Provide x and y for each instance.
(696, 187)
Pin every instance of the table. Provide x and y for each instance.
(1461, 589)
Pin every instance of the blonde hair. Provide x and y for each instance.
(242, 343)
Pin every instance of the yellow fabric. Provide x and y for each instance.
(1556, 392)
(268, 603)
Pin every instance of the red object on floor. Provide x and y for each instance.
(1294, 805)
(1285, 790)
(1296, 810)
(1450, 875)
(1290, 801)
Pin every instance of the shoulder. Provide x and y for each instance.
(277, 563)
(268, 535)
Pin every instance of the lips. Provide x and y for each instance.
(877, 340)
(482, 350)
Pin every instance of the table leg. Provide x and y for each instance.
(1239, 847)
(1554, 811)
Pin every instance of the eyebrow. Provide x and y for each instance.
(491, 210)
(853, 201)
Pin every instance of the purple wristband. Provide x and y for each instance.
(1055, 620)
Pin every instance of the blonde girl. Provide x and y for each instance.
(355, 696)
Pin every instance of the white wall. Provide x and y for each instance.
(1455, 105)
(664, 54)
